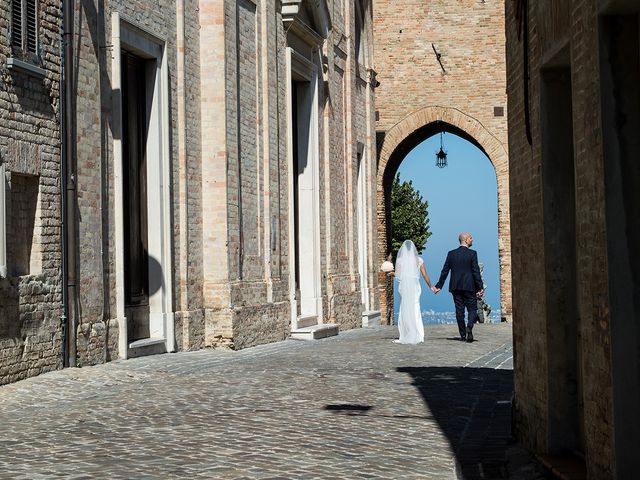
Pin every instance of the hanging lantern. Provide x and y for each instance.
(441, 156)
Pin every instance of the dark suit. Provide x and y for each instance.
(464, 284)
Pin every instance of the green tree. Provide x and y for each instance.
(409, 216)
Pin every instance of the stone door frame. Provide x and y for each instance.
(301, 68)
(161, 316)
(362, 205)
(304, 64)
(393, 148)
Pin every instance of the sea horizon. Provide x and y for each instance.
(432, 317)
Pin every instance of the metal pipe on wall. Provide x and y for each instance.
(63, 203)
(182, 154)
(68, 192)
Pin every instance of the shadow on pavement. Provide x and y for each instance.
(348, 407)
(473, 408)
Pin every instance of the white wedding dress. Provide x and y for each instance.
(408, 264)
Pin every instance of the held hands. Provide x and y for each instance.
(480, 292)
(435, 290)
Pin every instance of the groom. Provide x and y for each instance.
(465, 283)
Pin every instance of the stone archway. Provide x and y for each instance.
(397, 142)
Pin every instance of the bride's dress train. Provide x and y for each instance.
(408, 265)
(410, 319)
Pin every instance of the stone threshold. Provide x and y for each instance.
(315, 332)
(147, 346)
(371, 318)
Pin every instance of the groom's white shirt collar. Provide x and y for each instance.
(465, 246)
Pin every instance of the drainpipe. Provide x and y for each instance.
(63, 206)
(68, 192)
(183, 212)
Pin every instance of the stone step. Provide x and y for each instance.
(307, 321)
(315, 332)
(371, 318)
(147, 346)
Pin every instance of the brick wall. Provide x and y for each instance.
(98, 327)
(30, 295)
(260, 296)
(351, 96)
(228, 179)
(530, 363)
(552, 27)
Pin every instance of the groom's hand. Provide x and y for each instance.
(480, 292)
(435, 289)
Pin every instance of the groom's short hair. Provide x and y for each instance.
(463, 237)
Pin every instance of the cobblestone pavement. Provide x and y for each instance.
(352, 406)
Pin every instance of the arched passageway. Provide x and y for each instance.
(393, 148)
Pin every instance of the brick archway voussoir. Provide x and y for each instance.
(427, 115)
(497, 154)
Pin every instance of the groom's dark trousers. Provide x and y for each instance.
(462, 299)
(464, 284)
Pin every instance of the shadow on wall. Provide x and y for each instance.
(10, 320)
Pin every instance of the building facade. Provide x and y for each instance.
(30, 213)
(221, 168)
(573, 70)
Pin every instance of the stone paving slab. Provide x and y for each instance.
(347, 407)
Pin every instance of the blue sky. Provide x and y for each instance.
(462, 197)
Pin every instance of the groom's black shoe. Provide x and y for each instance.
(469, 335)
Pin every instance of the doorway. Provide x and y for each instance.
(566, 417)
(134, 167)
(142, 192)
(306, 301)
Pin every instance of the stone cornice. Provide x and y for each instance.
(321, 17)
(305, 32)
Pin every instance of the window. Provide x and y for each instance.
(24, 221)
(359, 33)
(24, 28)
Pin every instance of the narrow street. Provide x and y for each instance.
(352, 406)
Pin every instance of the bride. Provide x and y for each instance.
(408, 264)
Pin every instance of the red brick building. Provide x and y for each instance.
(573, 77)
